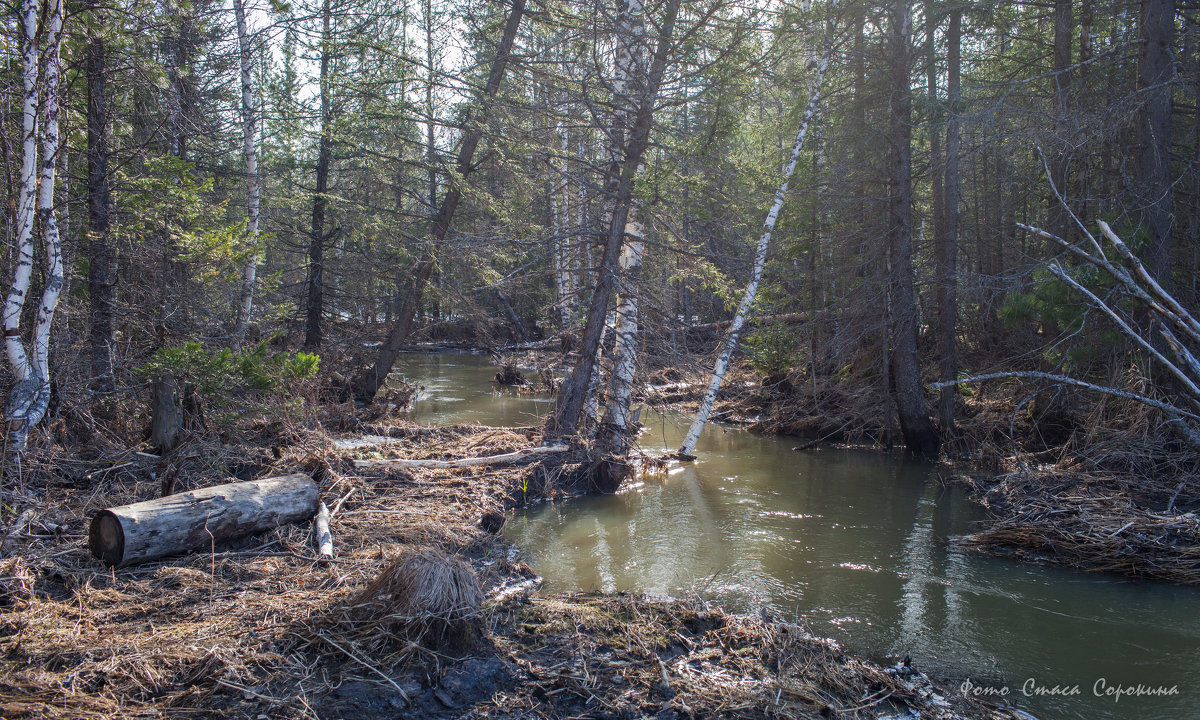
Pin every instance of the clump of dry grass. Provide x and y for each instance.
(425, 595)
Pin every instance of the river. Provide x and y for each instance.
(853, 544)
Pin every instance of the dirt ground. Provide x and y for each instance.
(256, 629)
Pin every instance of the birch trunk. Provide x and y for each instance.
(760, 259)
(27, 203)
(250, 151)
(561, 245)
(615, 426)
(629, 86)
(30, 395)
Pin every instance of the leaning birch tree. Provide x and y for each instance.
(250, 152)
(30, 396)
(729, 343)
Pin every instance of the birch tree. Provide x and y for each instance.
(30, 396)
(563, 421)
(250, 152)
(729, 343)
(628, 87)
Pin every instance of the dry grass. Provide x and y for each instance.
(605, 656)
(424, 596)
(213, 634)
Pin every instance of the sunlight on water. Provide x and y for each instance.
(853, 543)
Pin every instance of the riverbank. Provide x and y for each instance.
(245, 630)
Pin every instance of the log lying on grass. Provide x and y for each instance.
(505, 459)
(199, 519)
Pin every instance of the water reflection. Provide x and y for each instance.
(853, 543)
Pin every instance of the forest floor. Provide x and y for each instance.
(260, 628)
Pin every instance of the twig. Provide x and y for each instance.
(365, 664)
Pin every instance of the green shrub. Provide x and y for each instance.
(234, 377)
(771, 350)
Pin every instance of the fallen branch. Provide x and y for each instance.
(505, 459)
(779, 319)
(323, 534)
(1174, 414)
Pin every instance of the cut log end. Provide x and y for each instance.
(106, 539)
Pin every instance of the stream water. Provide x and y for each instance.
(852, 544)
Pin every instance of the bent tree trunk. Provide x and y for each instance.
(250, 151)
(199, 520)
(367, 386)
(563, 421)
(760, 259)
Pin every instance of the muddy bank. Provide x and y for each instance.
(251, 629)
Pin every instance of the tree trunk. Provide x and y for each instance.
(315, 305)
(614, 428)
(102, 257)
(1157, 28)
(250, 152)
(760, 260)
(563, 421)
(1058, 218)
(947, 246)
(200, 519)
(30, 396)
(166, 419)
(369, 384)
(920, 436)
(26, 378)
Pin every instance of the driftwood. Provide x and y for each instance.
(323, 533)
(199, 519)
(505, 459)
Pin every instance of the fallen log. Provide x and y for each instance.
(505, 459)
(780, 319)
(199, 519)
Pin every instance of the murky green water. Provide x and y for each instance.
(853, 544)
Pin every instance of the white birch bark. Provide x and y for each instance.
(620, 386)
(760, 259)
(630, 71)
(31, 394)
(250, 151)
(562, 252)
(27, 202)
